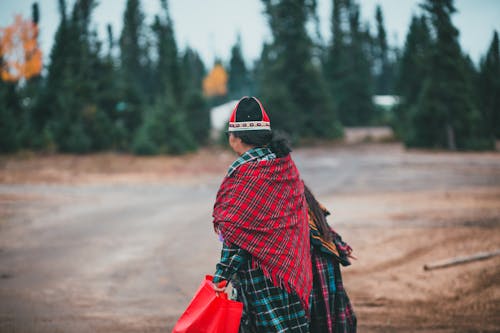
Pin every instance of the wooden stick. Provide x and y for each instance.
(461, 260)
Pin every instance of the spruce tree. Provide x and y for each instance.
(413, 70)
(133, 67)
(29, 92)
(167, 70)
(47, 107)
(70, 109)
(348, 66)
(107, 129)
(239, 81)
(195, 105)
(489, 87)
(335, 61)
(445, 114)
(291, 85)
(193, 69)
(414, 60)
(163, 131)
(164, 127)
(9, 108)
(62, 105)
(359, 108)
(384, 68)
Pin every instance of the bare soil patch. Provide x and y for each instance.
(118, 243)
(110, 167)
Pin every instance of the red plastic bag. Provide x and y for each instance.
(209, 312)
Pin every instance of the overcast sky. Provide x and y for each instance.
(211, 26)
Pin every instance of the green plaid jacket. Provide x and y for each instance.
(261, 154)
(266, 308)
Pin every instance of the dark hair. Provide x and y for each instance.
(319, 214)
(277, 141)
(280, 144)
(259, 138)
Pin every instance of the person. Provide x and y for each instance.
(261, 218)
(331, 310)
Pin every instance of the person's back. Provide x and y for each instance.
(260, 214)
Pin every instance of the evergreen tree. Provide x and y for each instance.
(445, 114)
(359, 84)
(165, 126)
(88, 124)
(239, 81)
(348, 67)
(291, 85)
(197, 116)
(413, 70)
(163, 131)
(9, 108)
(193, 69)
(335, 61)
(70, 110)
(134, 66)
(48, 103)
(61, 107)
(489, 87)
(107, 130)
(414, 60)
(29, 92)
(195, 105)
(384, 67)
(167, 79)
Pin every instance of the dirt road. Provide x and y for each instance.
(121, 247)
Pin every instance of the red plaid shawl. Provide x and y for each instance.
(261, 208)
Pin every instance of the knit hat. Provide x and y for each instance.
(249, 115)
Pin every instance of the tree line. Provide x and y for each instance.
(137, 92)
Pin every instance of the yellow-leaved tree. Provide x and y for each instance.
(215, 83)
(19, 50)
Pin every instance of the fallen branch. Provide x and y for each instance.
(461, 260)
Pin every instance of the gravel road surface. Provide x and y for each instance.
(105, 256)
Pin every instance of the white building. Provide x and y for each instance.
(219, 117)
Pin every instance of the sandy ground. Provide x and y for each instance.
(115, 243)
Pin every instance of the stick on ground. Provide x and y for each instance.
(461, 260)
